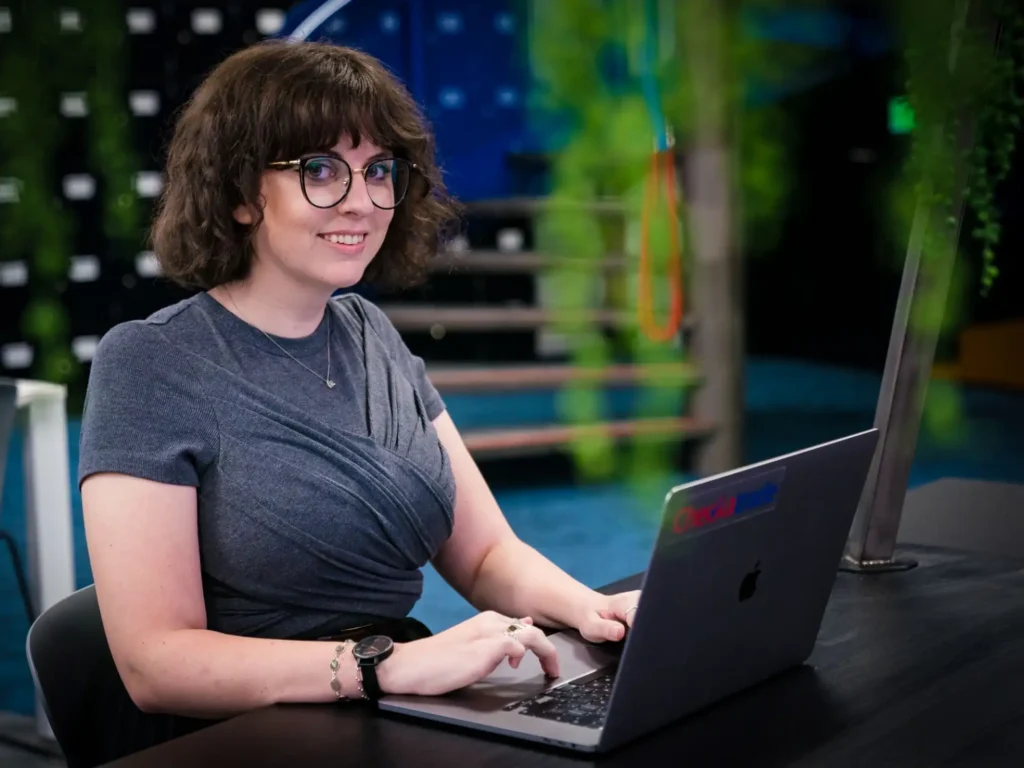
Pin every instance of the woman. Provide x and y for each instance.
(263, 466)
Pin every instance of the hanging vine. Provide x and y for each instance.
(964, 72)
(998, 125)
(965, 66)
(38, 63)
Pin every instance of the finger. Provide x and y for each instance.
(623, 608)
(545, 651)
(634, 603)
(491, 652)
(620, 616)
(513, 650)
(605, 628)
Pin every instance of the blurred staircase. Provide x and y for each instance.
(481, 324)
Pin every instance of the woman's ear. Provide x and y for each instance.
(243, 215)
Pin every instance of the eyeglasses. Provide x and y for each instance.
(326, 180)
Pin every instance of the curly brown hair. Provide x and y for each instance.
(279, 100)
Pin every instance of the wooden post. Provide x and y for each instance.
(717, 291)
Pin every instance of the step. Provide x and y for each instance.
(518, 441)
(420, 317)
(502, 378)
(520, 262)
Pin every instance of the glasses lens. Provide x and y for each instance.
(387, 181)
(325, 180)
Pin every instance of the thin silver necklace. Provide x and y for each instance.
(328, 381)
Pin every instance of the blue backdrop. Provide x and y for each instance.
(461, 60)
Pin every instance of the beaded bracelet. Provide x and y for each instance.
(335, 663)
(359, 682)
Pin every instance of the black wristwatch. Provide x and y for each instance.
(369, 653)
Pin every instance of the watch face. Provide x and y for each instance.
(371, 647)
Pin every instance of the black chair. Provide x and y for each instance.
(89, 709)
(8, 407)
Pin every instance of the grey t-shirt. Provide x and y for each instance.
(317, 506)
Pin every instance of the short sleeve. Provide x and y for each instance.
(145, 412)
(412, 365)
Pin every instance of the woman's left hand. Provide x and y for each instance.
(608, 618)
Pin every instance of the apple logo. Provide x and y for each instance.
(749, 584)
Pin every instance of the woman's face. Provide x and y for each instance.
(326, 248)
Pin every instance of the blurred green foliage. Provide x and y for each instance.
(589, 59)
(38, 63)
(610, 137)
(964, 70)
(961, 76)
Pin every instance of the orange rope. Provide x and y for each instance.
(645, 302)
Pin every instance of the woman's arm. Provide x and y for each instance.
(144, 551)
(143, 545)
(491, 567)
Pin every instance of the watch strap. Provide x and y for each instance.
(368, 678)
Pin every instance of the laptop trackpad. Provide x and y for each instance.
(504, 686)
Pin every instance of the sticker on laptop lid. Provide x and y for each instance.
(703, 508)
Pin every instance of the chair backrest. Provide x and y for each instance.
(8, 407)
(89, 709)
(70, 662)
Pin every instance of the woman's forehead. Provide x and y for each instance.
(366, 148)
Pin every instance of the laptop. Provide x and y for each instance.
(743, 566)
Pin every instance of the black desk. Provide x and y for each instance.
(923, 668)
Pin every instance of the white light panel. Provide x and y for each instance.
(79, 186)
(70, 20)
(207, 21)
(269, 21)
(84, 269)
(10, 190)
(13, 274)
(16, 355)
(141, 21)
(149, 183)
(84, 347)
(73, 104)
(146, 265)
(144, 103)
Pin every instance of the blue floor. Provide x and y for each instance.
(600, 533)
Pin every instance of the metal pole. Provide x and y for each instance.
(872, 543)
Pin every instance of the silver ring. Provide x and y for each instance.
(631, 609)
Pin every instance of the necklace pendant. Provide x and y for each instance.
(330, 384)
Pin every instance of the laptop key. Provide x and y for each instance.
(579, 703)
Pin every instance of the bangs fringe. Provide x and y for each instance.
(313, 114)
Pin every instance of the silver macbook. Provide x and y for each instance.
(742, 569)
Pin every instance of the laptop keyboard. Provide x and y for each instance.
(583, 702)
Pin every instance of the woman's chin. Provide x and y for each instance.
(344, 275)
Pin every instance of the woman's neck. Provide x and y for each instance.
(288, 314)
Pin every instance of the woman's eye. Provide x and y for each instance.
(319, 170)
(379, 171)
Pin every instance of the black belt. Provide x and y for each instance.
(403, 630)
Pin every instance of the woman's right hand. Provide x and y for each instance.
(463, 655)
